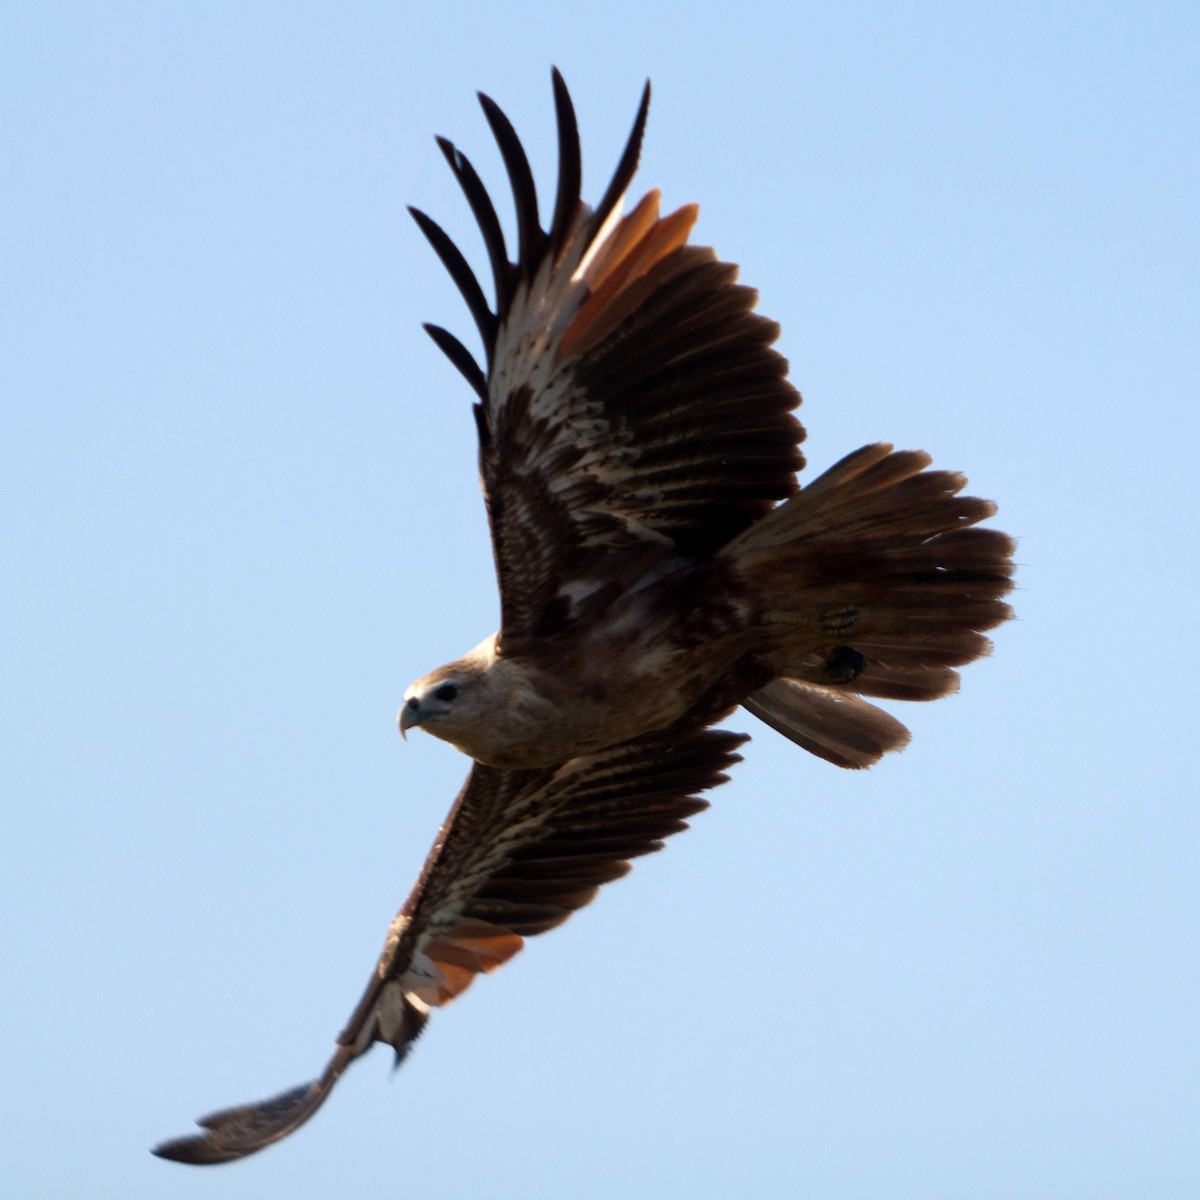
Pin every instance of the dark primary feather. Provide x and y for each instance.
(461, 357)
(570, 169)
(626, 166)
(461, 273)
(519, 852)
(531, 239)
(485, 216)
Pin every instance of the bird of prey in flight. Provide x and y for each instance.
(638, 456)
(658, 565)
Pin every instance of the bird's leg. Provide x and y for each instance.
(840, 619)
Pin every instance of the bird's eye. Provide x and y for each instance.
(446, 692)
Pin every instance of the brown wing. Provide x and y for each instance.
(519, 852)
(631, 400)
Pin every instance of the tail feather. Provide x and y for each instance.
(859, 497)
(837, 727)
(880, 557)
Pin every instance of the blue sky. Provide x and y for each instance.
(240, 515)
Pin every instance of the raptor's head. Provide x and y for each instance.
(453, 700)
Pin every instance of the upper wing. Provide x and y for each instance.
(519, 852)
(631, 398)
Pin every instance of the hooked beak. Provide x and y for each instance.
(410, 714)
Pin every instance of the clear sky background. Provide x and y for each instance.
(238, 514)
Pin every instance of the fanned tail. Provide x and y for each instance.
(874, 580)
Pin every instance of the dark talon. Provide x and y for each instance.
(844, 665)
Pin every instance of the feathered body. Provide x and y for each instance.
(638, 454)
(587, 687)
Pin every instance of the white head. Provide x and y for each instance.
(455, 700)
